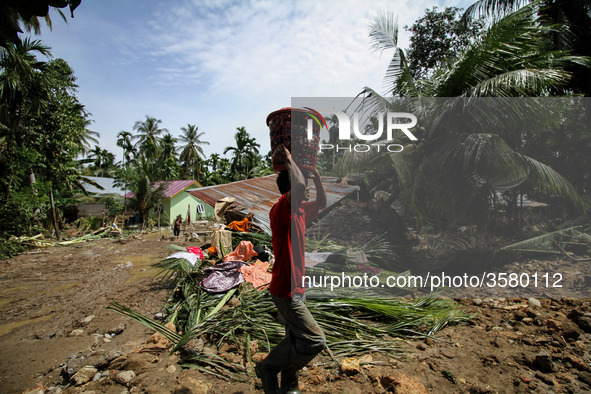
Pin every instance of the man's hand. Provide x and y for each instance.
(281, 154)
(312, 174)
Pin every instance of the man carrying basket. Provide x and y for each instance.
(304, 338)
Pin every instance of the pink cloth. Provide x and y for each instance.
(257, 274)
(243, 252)
(195, 250)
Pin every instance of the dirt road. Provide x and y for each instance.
(53, 323)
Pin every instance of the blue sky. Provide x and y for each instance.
(219, 64)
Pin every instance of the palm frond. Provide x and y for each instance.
(404, 165)
(488, 156)
(514, 51)
(490, 8)
(154, 325)
(175, 267)
(546, 241)
(542, 178)
(523, 82)
(352, 326)
(395, 70)
(383, 31)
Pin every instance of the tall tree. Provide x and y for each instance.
(191, 150)
(148, 132)
(145, 195)
(168, 166)
(43, 128)
(24, 92)
(569, 19)
(124, 141)
(463, 161)
(167, 146)
(242, 159)
(62, 134)
(438, 38)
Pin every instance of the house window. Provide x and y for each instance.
(200, 208)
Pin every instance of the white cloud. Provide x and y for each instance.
(220, 64)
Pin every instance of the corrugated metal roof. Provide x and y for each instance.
(258, 195)
(172, 188)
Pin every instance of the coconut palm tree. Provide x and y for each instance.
(82, 137)
(191, 151)
(245, 146)
(570, 20)
(167, 147)
(148, 136)
(463, 159)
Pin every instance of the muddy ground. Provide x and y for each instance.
(53, 324)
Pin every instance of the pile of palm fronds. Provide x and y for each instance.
(39, 242)
(246, 319)
(376, 249)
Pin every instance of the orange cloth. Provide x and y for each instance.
(257, 274)
(243, 252)
(240, 225)
(212, 250)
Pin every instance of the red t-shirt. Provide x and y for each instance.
(288, 232)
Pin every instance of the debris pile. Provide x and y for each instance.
(225, 320)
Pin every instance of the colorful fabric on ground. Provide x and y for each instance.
(239, 225)
(195, 250)
(243, 252)
(222, 277)
(190, 257)
(257, 274)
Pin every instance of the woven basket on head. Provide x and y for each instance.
(289, 126)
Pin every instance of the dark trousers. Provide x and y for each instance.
(303, 340)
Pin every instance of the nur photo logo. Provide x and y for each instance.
(386, 122)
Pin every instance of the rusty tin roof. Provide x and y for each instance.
(258, 195)
(171, 188)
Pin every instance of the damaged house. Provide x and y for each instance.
(256, 196)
